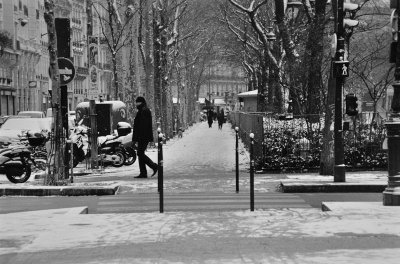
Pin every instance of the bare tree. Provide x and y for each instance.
(114, 28)
(56, 156)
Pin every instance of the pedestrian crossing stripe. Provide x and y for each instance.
(146, 202)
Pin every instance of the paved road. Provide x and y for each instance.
(180, 202)
(197, 202)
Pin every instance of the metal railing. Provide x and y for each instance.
(250, 123)
(296, 144)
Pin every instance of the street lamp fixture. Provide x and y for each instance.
(293, 3)
(293, 7)
(22, 21)
(270, 34)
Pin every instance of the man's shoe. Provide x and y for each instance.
(154, 172)
(141, 176)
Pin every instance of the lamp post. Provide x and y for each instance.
(237, 158)
(209, 84)
(391, 195)
(251, 171)
(339, 172)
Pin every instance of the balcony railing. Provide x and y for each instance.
(82, 70)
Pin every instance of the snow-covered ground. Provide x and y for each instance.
(203, 160)
(348, 234)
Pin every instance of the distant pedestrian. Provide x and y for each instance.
(210, 116)
(142, 135)
(220, 118)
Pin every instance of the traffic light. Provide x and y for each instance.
(351, 105)
(289, 114)
(393, 46)
(350, 8)
(63, 33)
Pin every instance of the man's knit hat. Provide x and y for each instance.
(140, 99)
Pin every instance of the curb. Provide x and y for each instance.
(59, 191)
(330, 187)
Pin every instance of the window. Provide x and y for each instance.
(25, 10)
(37, 14)
(20, 5)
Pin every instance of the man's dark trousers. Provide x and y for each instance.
(143, 159)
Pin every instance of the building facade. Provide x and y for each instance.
(223, 83)
(24, 65)
(20, 90)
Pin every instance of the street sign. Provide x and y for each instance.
(341, 69)
(67, 70)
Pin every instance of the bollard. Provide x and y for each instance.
(251, 172)
(160, 171)
(237, 159)
(158, 156)
(71, 161)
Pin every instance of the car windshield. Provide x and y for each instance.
(31, 114)
(35, 124)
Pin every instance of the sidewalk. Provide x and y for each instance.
(203, 160)
(350, 233)
(364, 181)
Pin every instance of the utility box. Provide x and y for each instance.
(108, 114)
(104, 120)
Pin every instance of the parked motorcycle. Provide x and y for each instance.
(124, 131)
(111, 149)
(119, 143)
(80, 142)
(110, 152)
(15, 163)
(36, 145)
(130, 152)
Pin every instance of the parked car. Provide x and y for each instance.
(36, 114)
(49, 113)
(17, 125)
(3, 119)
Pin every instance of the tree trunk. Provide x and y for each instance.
(56, 156)
(165, 109)
(115, 74)
(327, 153)
(157, 66)
(313, 62)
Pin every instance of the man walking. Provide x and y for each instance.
(142, 135)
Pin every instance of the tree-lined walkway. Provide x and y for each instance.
(203, 160)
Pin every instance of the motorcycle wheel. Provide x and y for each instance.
(120, 161)
(13, 176)
(41, 164)
(130, 158)
(77, 156)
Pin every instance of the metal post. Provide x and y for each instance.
(93, 135)
(160, 170)
(237, 159)
(339, 168)
(391, 195)
(251, 172)
(71, 161)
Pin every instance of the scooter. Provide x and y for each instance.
(80, 142)
(15, 163)
(124, 131)
(110, 152)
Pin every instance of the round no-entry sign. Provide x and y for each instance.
(66, 69)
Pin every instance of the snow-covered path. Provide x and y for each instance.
(203, 160)
(203, 151)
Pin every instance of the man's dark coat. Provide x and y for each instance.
(142, 125)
